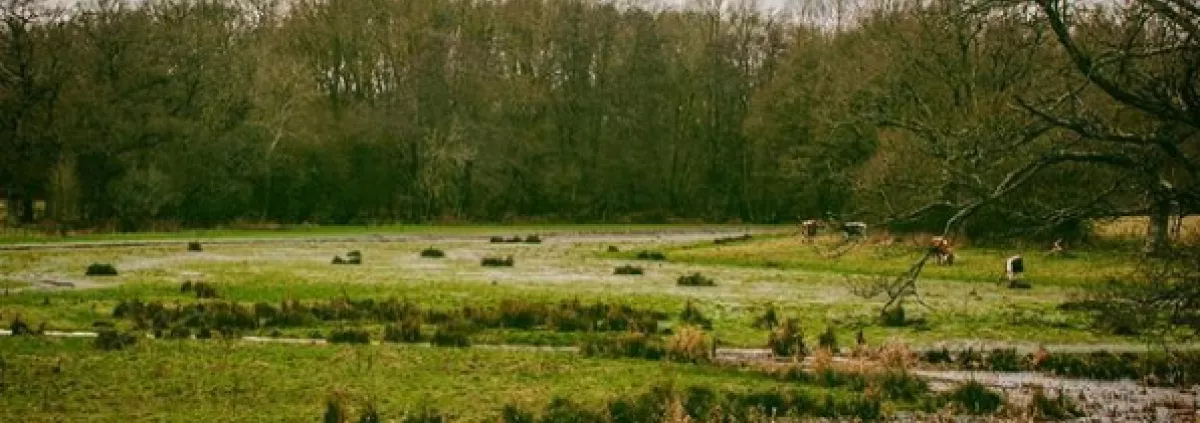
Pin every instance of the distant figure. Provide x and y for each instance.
(854, 229)
(1014, 268)
(1057, 249)
(810, 227)
(941, 250)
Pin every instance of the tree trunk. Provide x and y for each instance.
(1157, 234)
(10, 198)
(27, 208)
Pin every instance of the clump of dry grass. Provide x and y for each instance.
(688, 344)
(896, 356)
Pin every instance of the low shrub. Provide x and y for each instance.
(828, 340)
(632, 344)
(18, 327)
(894, 317)
(533, 239)
(732, 239)
(695, 279)
(335, 411)
(901, 386)
(101, 269)
(969, 359)
(512, 414)
(497, 239)
(1004, 360)
(692, 315)
(651, 255)
(426, 415)
(974, 398)
(613, 249)
(370, 414)
(228, 316)
(688, 344)
(627, 270)
(408, 330)
(1019, 284)
(352, 257)
(1061, 407)
(452, 334)
(787, 339)
(936, 356)
(112, 340)
(194, 247)
(515, 239)
(432, 253)
(497, 261)
(204, 290)
(179, 332)
(349, 336)
(565, 410)
(768, 320)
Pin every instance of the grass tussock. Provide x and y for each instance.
(787, 339)
(432, 253)
(407, 331)
(689, 344)
(18, 327)
(651, 255)
(768, 320)
(693, 316)
(828, 339)
(629, 344)
(628, 270)
(229, 317)
(352, 257)
(974, 398)
(349, 336)
(497, 262)
(101, 269)
(455, 334)
(201, 289)
(695, 279)
(112, 340)
(1060, 407)
(732, 239)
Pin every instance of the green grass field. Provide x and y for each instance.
(215, 381)
(158, 379)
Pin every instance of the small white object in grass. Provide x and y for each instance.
(1014, 267)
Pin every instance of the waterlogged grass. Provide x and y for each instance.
(9, 283)
(219, 380)
(68, 380)
(956, 315)
(829, 255)
(11, 236)
(966, 303)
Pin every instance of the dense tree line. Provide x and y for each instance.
(917, 113)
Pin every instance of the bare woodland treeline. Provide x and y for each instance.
(985, 115)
